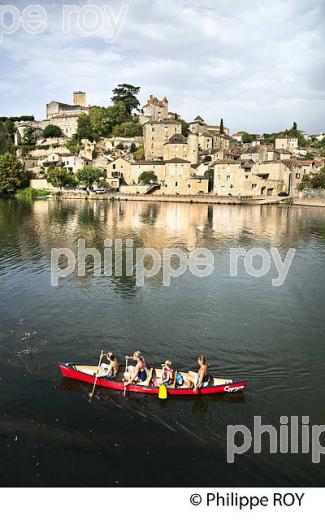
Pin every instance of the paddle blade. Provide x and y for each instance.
(162, 394)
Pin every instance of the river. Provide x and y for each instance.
(51, 435)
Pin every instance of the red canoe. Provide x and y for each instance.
(87, 373)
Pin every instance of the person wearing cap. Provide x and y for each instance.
(168, 374)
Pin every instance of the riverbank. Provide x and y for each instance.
(197, 199)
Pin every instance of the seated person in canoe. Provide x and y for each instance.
(137, 373)
(201, 378)
(112, 367)
(168, 374)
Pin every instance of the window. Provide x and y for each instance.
(297, 175)
(114, 166)
(254, 186)
(176, 184)
(246, 176)
(270, 191)
(228, 178)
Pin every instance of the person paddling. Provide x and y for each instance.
(111, 369)
(137, 373)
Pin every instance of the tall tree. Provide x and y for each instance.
(294, 126)
(222, 129)
(60, 177)
(85, 130)
(52, 131)
(12, 174)
(88, 175)
(127, 94)
(6, 138)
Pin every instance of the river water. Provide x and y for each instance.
(51, 435)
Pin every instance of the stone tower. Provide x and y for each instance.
(193, 148)
(79, 98)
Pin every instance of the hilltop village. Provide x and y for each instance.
(151, 150)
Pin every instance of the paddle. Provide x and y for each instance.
(126, 369)
(98, 368)
(162, 394)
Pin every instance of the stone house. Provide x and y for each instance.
(285, 142)
(155, 109)
(158, 133)
(298, 169)
(249, 179)
(180, 178)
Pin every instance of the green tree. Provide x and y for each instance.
(60, 177)
(117, 114)
(318, 181)
(139, 154)
(12, 174)
(210, 175)
(248, 138)
(185, 125)
(88, 175)
(127, 94)
(52, 131)
(99, 121)
(74, 145)
(6, 138)
(127, 129)
(222, 129)
(84, 130)
(305, 183)
(294, 126)
(147, 177)
(133, 148)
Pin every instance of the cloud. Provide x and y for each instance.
(257, 64)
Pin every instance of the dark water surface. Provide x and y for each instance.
(52, 436)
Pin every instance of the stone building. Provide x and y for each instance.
(66, 116)
(180, 179)
(249, 179)
(286, 142)
(182, 147)
(156, 109)
(158, 133)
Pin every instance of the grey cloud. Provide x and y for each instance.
(259, 64)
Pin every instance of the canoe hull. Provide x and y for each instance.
(69, 372)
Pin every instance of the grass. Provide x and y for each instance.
(31, 194)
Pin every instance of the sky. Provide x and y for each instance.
(259, 64)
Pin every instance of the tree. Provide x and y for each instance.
(318, 181)
(29, 138)
(99, 121)
(127, 129)
(84, 130)
(133, 148)
(52, 131)
(6, 138)
(185, 125)
(221, 126)
(294, 126)
(139, 154)
(117, 114)
(147, 177)
(12, 174)
(127, 94)
(88, 175)
(60, 177)
(74, 145)
(209, 174)
(248, 138)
